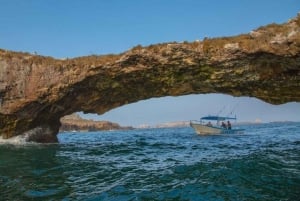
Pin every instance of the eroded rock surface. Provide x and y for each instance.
(36, 91)
(74, 122)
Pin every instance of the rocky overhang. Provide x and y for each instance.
(36, 91)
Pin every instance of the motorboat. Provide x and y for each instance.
(206, 127)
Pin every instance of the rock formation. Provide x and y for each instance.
(75, 122)
(36, 91)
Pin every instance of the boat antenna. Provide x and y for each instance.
(221, 110)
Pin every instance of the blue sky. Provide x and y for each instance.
(71, 28)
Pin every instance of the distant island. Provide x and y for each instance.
(74, 122)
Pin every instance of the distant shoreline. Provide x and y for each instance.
(181, 124)
(74, 123)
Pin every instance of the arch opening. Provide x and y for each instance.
(157, 112)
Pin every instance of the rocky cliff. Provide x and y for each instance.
(74, 122)
(36, 91)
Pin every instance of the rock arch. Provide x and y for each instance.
(35, 91)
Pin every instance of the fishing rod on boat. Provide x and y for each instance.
(233, 109)
(221, 110)
(231, 112)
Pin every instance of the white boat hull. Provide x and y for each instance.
(211, 130)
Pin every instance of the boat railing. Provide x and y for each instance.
(206, 123)
(201, 122)
(196, 122)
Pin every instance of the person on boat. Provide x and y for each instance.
(228, 125)
(223, 124)
(209, 124)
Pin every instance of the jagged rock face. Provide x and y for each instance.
(36, 91)
(75, 122)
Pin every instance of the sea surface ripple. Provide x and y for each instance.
(156, 164)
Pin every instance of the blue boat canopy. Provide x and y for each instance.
(217, 118)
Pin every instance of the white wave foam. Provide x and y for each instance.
(20, 139)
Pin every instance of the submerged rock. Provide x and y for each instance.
(36, 91)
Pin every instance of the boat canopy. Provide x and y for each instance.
(217, 118)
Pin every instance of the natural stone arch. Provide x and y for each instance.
(37, 91)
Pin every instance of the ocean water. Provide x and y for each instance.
(156, 164)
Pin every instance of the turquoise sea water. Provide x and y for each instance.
(156, 164)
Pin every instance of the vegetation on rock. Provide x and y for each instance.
(74, 122)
